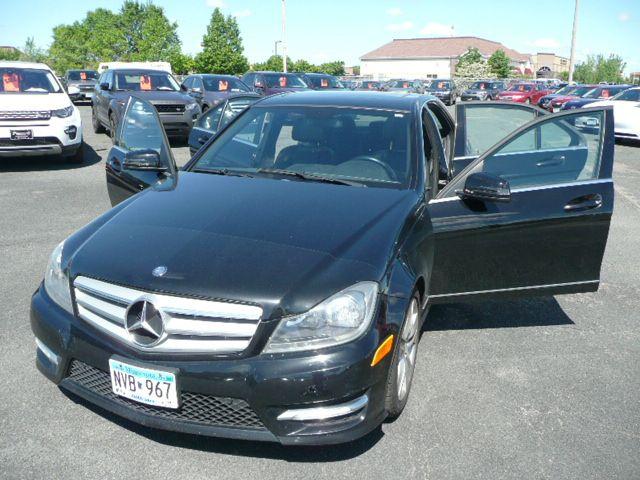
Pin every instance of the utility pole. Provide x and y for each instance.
(572, 59)
(284, 36)
(275, 49)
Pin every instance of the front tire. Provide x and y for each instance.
(112, 127)
(402, 366)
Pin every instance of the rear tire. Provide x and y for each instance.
(401, 370)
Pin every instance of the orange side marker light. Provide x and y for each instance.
(382, 351)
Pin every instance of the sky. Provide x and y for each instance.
(327, 30)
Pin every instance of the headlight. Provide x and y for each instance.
(191, 106)
(63, 112)
(56, 282)
(339, 319)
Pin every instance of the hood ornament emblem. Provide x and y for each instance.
(145, 323)
(159, 271)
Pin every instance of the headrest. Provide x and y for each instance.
(307, 131)
(394, 130)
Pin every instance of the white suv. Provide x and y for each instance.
(37, 116)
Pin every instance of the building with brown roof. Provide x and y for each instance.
(430, 57)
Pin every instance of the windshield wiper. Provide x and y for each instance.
(310, 177)
(222, 171)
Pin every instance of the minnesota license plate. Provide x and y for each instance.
(145, 385)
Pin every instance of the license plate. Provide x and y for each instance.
(555, 109)
(21, 134)
(145, 385)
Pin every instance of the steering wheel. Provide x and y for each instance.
(388, 170)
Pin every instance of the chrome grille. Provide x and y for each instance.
(25, 115)
(190, 325)
(169, 108)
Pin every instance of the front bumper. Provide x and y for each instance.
(327, 398)
(49, 137)
(179, 124)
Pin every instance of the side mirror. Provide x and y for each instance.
(146, 159)
(258, 84)
(183, 87)
(104, 86)
(485, 187)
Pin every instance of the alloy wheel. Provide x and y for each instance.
(407, 350)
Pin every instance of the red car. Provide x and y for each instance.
(556, 103)
(524, 93)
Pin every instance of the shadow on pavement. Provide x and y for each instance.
(245, 448)
(29, 164)
(531, 312)
(628, 142)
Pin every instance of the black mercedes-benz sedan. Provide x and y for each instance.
(275, 287)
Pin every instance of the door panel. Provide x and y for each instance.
(548, 239)
(480, 125)
(139, 130)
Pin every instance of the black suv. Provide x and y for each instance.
(177, 110)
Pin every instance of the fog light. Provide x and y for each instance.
(72, 131)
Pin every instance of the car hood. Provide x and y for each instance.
(274, 90)
(158, 96)
(508, 93)
(477, 90)
(33, 101)
(564, 98)
(283, 244)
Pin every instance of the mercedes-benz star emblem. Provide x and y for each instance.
(144, 323)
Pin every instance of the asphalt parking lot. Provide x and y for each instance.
(538, 389)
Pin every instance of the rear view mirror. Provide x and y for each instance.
(485, 187)
(147, 159)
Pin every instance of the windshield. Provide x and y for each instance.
(142, 82)
(324, 82)
(371, 85)
(82, 75)
(629, 95)
(27, 80)
(361, 145)
(399, 84)
(283, 80)
(223, 84)
(480, 86)
(520, 88)
(580, 91)
(440, 85)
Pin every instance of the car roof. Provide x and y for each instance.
(373, 100)
(135, 70)
(318, 74)
(81, 70)
(214, 75)
(273, 71)
(20, 64)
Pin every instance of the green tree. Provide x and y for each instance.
(333, 68)
(33, 53)
(10, 55)
(181, 63)
(470, 57)
(138, 32)
(273, 63)
(598, 68)
(500, 64)
(222, 47)
(301, 66)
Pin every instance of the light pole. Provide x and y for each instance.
(572, 59)
(275, 47)
(284, 36)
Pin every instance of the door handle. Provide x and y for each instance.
(586, 202)
(201, 140)
(553, 161)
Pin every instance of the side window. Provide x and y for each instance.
(249, 79)
(197, 83)
(559, 150)
(188, 83)
(486, 125)
(141, 128)
(234, 107)
(209, 121)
